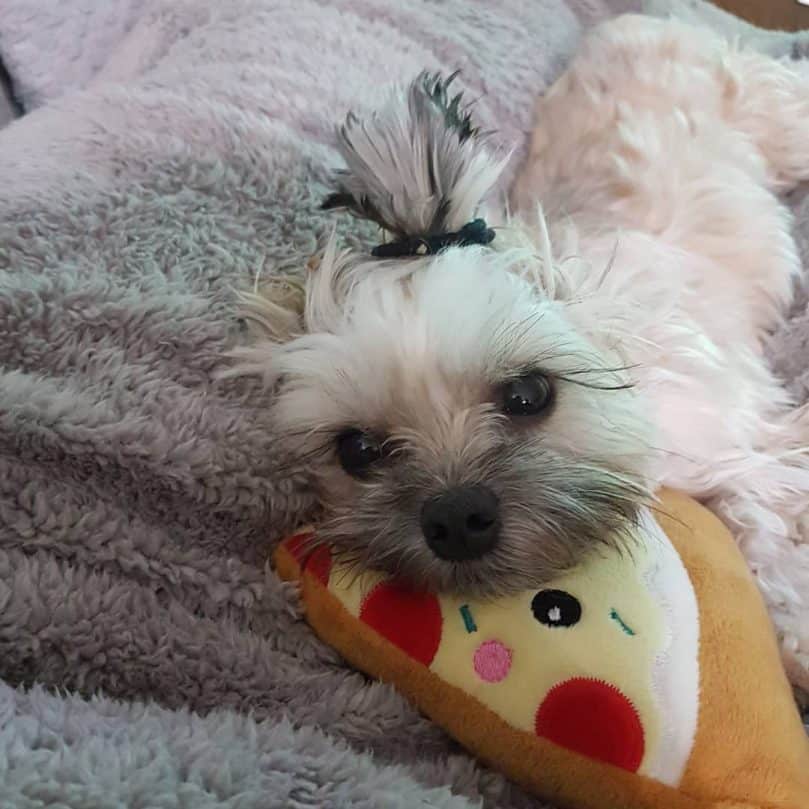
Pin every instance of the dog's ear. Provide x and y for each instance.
(272, 315)
(287, 307)
(274, 310)
(290, 304)
(419, 166)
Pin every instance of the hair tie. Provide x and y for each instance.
(475, 232)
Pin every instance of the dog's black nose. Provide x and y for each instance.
(462, 523)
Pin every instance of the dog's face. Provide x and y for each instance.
(462, 431)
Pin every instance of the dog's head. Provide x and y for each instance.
(463, 428)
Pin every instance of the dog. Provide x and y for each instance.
(483, 406)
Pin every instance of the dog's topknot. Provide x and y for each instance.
(456, 115)
(419, 167)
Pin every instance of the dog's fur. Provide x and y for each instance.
(662, 260)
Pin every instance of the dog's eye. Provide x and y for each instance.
(357, 451)
(527, 395)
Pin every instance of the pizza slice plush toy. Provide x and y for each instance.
(648, 680)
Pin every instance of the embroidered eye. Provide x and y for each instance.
(556, 608)
(527, 395)
(357, 451)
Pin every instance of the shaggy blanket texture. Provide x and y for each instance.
(171, 152)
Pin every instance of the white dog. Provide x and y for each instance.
(479, 414)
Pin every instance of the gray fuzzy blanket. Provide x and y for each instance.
(171, 152)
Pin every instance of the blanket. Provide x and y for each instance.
(172, 153)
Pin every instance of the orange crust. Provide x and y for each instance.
(751, 747)
(736, 764)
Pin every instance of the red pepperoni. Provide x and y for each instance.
(296, 545)
(317, 561)
(595, 719)
(409, 619)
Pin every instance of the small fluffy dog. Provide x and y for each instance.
(480, 408)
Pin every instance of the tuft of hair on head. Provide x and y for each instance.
(419, 166)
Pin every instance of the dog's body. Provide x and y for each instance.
(499, 375)
(667, 146)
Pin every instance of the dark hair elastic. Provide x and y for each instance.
(475, 232)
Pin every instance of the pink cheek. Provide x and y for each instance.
(492, 661)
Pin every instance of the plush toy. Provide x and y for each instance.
(648, 679)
